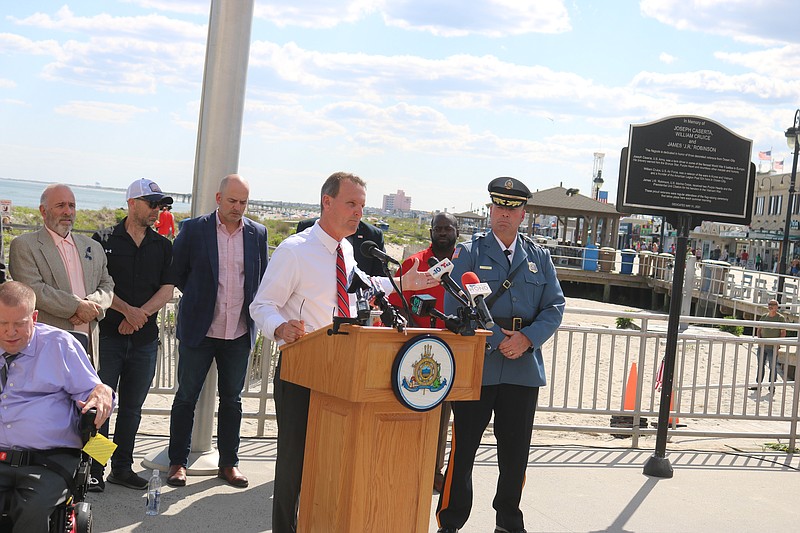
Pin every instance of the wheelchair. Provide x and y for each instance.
(73, 515)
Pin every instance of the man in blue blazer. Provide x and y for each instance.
(527, 305)
(219, 259)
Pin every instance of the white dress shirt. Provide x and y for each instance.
(302, 273)
(509, 251)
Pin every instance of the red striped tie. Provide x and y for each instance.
(342, 298)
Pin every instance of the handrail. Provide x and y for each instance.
(588, 363)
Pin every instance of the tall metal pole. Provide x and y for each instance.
(658, 465)
(791, 132)
(218, 140)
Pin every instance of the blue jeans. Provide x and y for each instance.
(766, 354)
(231, 357)
(129, 370)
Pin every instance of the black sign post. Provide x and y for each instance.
(687, 169)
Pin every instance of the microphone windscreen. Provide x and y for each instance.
(469, 278)
(432, 261)
(367, 247)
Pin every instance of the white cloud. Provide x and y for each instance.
(101, 111)
(782, 62)
(17, 44)
(189, 7)
(316, 14)
(707, 84)
(667, 58)
(126, 64)
(7, 84)
(492, 18)
(458, 81)
(765, 21)
(152, 26)
(449, 18)
(15, 102)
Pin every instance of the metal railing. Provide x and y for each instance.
(589, 365)
(589, 370)
(713, 280)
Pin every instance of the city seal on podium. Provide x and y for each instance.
(423, 372)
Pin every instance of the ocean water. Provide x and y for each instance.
(27, 194)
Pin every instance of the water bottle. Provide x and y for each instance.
(153, 495)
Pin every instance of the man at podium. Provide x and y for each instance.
(527, 305)
(304, 285)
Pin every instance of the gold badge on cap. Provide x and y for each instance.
(532, 267)
(509, 184)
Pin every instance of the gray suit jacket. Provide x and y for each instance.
(35, 261)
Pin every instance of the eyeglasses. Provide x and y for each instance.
(150, 203)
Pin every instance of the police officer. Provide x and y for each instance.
(527, 305)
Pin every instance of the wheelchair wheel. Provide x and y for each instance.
(83, 518)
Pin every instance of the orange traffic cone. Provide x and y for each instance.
(630, 390)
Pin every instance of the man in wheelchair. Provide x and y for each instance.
(44, 374)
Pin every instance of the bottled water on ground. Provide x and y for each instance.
(153, 494)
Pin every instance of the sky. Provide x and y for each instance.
(434, 97)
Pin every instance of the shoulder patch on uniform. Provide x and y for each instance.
(457, 251)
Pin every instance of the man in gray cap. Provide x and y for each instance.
(527, 306)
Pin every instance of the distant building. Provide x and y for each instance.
(469, 222)
(397, 201)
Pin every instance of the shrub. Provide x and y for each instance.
(778, 447)
(624, 322)
(736, 330)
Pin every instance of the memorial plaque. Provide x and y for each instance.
(687, 165)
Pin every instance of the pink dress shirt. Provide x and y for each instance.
(229, 319)
(72, 262)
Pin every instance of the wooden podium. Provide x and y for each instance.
(369, 460)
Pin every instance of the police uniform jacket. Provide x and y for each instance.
(534, 296)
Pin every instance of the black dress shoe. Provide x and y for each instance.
(447, 530)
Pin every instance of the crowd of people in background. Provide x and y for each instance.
(112, 286)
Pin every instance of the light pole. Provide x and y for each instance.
(793, 141)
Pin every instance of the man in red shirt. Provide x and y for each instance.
(444, 233)
(165, 225)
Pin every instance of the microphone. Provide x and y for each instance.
(361, 286)
(440, 270)
(425, 305)
(477, 295)
(370, 249)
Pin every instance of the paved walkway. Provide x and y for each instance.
(570, 489)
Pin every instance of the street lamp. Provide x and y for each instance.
(793, 141)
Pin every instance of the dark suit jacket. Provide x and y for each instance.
(365, 232)
(196, 262)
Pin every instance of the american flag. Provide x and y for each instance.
(602, 196)
(777, 166)
(660, 376)
(765, 156)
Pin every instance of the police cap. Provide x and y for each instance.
(508, 192)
